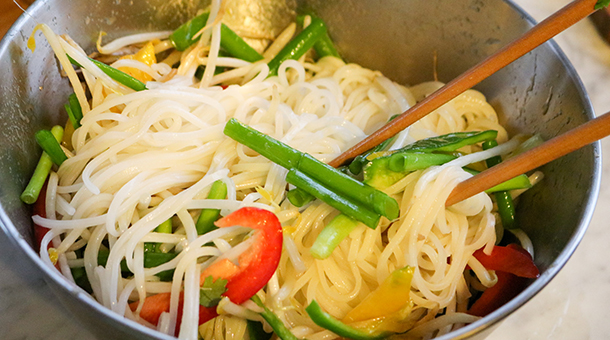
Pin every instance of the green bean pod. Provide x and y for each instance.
(205, 222)
(506, 207)
(298, 46)
(352, 209)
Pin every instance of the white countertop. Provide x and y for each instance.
(573, 306)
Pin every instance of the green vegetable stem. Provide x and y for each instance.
(32, 190)
(327, 176)
(298, 46)
(115, 74)
(324, 46)
(332, 234)
(325, 320)
(274, 321)
(345, 205)
(184, 36)
(51, 146)
(506, 208)
(205, 222)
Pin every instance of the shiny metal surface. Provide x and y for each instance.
(538, 94)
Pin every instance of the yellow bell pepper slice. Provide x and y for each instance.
(390, 297)
(145, 55)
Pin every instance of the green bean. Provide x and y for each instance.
(184, 36)
(352, 209)
(325, 320)
(164, 228)
(274, 321)
(205, 222)
(506, 207)
(76, 109)
(115, 74)
(298, 197)
(332, 234)
(32, 190)
(298, 46)
(328, 176)
(323, 47)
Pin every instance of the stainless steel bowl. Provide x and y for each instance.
(540, 93)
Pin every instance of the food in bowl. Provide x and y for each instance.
(153, 160)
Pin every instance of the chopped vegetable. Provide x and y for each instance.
(325, 320)
(298, 46)
(184, 36)
(385, 168)
(32, 190)
(256, 331)
(115, 74)
(211, 291)
(274, 321)
(326, 175)
(164, 228)
(602, 3)
(348, 207)
(506, 207)
(205, 222)
(299, 197)
(515, 183)
(51, 146)
(332, 234)
(324, 46)
(74, 110)
(507, 287)
(511, 259)
(391, 296)
(255, 266)
(145, 55)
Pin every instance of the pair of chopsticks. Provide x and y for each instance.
(545, 153)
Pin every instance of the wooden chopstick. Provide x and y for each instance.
(545, 30)
(550, 150)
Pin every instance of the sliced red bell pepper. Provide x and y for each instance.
(510, 259)
(38, 208)
(256, 265)
(507, 287)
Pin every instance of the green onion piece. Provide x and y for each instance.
(361, 160)
(51, 146)
(274, 321)
(205, 222)
(76, 109)
(184, 36)
(32, 190)
(298, 46)
(298, 197)
(75, 123)
(506, 207)
(332, 234)
(344, 205)
(115, 74)
(256, 331)
(323, 47)
(328, 176)
(325, 320)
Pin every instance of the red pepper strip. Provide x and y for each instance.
(506, 289)
(38, 208)
(511, 259)
(256, 265)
